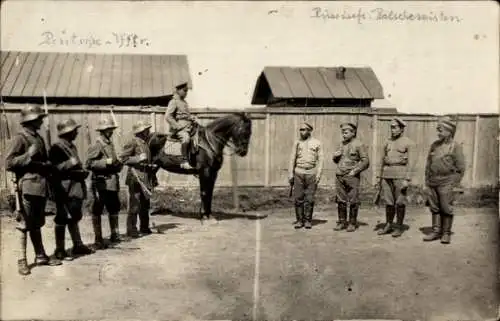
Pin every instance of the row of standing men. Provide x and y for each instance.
(444, 170)
(59, 174)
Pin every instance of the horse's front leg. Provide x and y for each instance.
(207, 183)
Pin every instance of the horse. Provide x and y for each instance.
(206, 152)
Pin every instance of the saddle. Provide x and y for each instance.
(194, 138)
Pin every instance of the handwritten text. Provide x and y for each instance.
(361, 15)
(118, 39)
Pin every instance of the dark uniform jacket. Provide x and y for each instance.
(72, 177)
(130, 157)
(31, 172)
(354, 156)
(445, 164)
(396, 158)
(104, 176)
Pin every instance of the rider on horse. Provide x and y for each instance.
(182, 123)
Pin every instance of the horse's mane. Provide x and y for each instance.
(219, 122)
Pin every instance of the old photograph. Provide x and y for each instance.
(249, 160)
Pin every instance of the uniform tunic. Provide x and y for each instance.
(105, 179)
(139, 201)
(32, 176)
(444, 170)
(396, 168)
(72, 192)
(306, 163)
(354, 156)
(179, 117)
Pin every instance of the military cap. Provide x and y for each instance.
(30, 113)
(306, 125)
(67, 126)
(140, 126)
(351, 126)
(181, 85)
(398, 120)
(106, 123)
(448, 124)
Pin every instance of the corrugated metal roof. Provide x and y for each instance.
(79, 75)
(316, 82)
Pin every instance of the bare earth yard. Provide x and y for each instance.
(194, 271)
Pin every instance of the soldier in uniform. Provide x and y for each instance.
(180, 120)
(352, 159)
(140, 178)
(306, 165)
(27, 158)
(444, 170)
(396, 173)
(105, 166)
(70, 190)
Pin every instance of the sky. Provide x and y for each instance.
(447, 64)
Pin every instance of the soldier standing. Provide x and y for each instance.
(105, 166)
(306, 165)
(444, 170)
(70, 190)
(27, 158)
(396, 173)
(140, 178)
(181, 121)
(352, 159)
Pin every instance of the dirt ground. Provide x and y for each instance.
(193, 271)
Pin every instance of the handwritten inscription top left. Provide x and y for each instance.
(73, 39)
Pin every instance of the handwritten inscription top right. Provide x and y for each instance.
(380, 14)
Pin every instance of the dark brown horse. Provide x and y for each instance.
(206, 155)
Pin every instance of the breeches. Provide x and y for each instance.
(392, 193)
(105, 198)
(184, 135)
(347, 189)
(32, 213)
(304, 188)
(71, 212)
(440, 199)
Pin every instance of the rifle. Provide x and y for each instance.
(50, 206)
(293, 170)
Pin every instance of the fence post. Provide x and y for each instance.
(152, 116)
(267, 152)
(234, 178)
(475, 151)
(374, 156)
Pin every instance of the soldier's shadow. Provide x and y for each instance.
(162, 228)
(220, 216)
(315, 222)
(380, 226)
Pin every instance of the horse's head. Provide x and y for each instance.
(240, 134)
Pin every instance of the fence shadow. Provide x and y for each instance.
(219, 216)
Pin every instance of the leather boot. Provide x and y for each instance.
(308, 213)
(99, 243)
(132, 225)
(436, 228)
(144, 224)
(78, 247)
(299, 212)
(185, 156)
(447, 224)
(389, 217)
(41, 257)
(400, 216)
(22, 262)
(342, 214)
(60, 252)
(115, 231)
(353, 218)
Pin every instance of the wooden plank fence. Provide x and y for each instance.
(274, 130)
